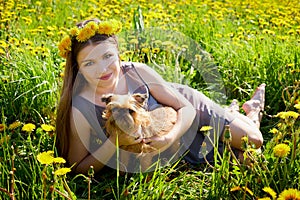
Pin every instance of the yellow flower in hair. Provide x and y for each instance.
(65, 44)
(85, 33)
(106, 28)
(74, 31)
(92, 28)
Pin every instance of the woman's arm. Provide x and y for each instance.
(80, 141)
(168, 96)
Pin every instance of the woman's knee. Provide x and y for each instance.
(239, 129)
(255, 138)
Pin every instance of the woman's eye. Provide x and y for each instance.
(88, 63)
(108, 56)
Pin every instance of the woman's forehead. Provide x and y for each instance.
(97, 50)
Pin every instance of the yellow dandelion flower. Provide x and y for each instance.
(51, 28)
(128, 53)
(28, 127)
(297, 106)
(105, 28)
(62, 171)
(155, 50)
(274, 130)
(206, 128)
(14, 125)
(85, 33)
(116, 11)
(116, 26)
(47, 128)
(2, 127)
(74, 31)
(145, 50)
(45, 158)
(3, 44)
(122, 57)
(264, 198)
(61, 33)
(62, 64)
(279, 125)
(289, 194)
(281, 150)
(93, 26)
(65, 44)
(288, 114)
(59, 160)
(270, 191)
(2, 52)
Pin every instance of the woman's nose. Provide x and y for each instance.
(102, 67)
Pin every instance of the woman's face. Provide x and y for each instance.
(100, 65)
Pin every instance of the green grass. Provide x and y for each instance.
(241, 44)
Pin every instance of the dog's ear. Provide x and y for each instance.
(140, 98)
(106, 98)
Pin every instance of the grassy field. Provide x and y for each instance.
(223, 48)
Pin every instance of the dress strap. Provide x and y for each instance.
(132, 84)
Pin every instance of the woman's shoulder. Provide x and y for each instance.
(133, 64)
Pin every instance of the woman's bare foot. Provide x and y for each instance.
(255, 105)
(234, 106)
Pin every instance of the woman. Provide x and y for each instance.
(93, 68)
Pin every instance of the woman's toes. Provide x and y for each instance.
(234, 105)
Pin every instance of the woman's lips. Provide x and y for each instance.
(105, 77)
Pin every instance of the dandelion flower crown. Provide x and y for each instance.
(85, 32)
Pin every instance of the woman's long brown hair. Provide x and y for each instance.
(71, 87)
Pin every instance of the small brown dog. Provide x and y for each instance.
(125, 115)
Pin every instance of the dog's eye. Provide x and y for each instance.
(130, 111)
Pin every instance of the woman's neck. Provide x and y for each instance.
(94, 94)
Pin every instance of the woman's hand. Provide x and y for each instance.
(124, 140)
(160, 143)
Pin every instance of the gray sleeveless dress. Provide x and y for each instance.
(208, 114)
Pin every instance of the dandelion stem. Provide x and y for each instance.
(62, 194)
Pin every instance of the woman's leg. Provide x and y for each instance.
(255, 105)
(248, 125)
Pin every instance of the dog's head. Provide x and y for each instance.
(125, 112)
